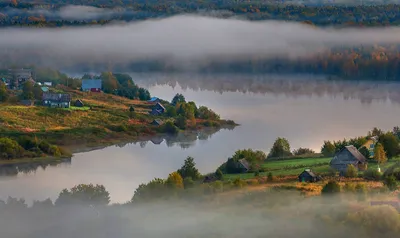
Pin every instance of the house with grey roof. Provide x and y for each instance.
(91, 85)
(243, 165)
(157, 109)
(61, 100)
(346, 156)
(308, 176)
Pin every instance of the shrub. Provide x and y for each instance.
(391, 182)
(10, 149)
(239, 183)
(27, 142)
(270, 177)
(170, 128)
(219, 174)
(351, 171)
(372, 174)
(331, 187)
(87, 194)
(188, 183)
(54, 150)
(349, 187)
(44, 146)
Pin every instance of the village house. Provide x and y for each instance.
(157, 140)
(243, 166)
(308, 176)
(154, 100)
(17, 77)
(91, 85)
(346, 156)
(157, 122)
(78, 103)
(157, 109)
(56, 100)
(370, 145)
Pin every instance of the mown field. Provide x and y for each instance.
(287, 167)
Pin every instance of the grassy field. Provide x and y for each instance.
(296, 166)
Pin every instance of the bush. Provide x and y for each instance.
(351, 171)
(372, 174)
(349, 187)
(331, 187)
(54, 150)
(270, 177)
(188, 183)
(170, 128)
(239, 183)
(87, 194)
(391, 182)
(10, 149)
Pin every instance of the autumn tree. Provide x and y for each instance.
(175, 180)
(110, 83)
(380, 154)
(280, 148)
(189, 170)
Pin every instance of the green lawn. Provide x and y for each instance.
(78, 108)
(296, 166)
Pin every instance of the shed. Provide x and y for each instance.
(157, 122)
(346, 156)
(78, 103)
(157, 140)
(158, 109)
(243, 165)
(308, 176)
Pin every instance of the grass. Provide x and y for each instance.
(73, 108)
(296, 166)
(33, 160)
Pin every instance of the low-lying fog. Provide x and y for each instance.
(185, 41)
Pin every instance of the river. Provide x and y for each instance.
(306, 110)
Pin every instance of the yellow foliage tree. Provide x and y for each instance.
(380, 154)
(175, 180)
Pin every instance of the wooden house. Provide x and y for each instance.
(370, 145)
(243, 165)
(154, 100)
(56, 100)
(91, 85)
(308, 176)
(157, 122)
(346, 156)
(79, 103)
(158, 109)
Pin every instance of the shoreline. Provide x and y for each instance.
(102, 143)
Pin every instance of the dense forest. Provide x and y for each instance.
(50, 13)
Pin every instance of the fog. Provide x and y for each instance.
(232, 214)
(181, 40)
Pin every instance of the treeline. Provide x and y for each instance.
(28, 147)
(359, 15)
(121, 85)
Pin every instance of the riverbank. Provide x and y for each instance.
(106, 120)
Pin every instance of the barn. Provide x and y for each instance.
(346, 156)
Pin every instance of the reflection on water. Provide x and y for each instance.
(305, 110)
(31, 167)
(184, 140)
(290, 86)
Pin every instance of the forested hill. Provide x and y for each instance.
(50, 13)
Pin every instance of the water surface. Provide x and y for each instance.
(305, 110)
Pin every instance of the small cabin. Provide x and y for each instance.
(157, 122)
(346, 156)
(79, 103)
(243, 166)
(308, 176)
(157, 109)
(154, 100)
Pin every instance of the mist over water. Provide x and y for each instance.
(184, 42)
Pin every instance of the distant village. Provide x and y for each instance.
(18, 77)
